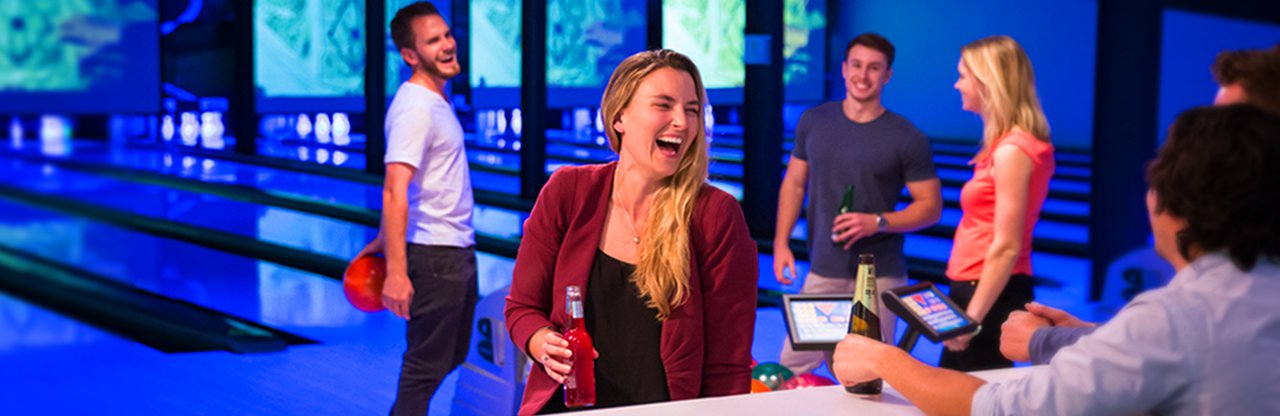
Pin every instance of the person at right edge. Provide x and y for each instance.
(990, 266)
(1244, 76)
(1205, 344)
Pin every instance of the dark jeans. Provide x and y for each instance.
(438, 332)
(984, 350)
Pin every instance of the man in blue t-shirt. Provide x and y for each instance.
(855, 142)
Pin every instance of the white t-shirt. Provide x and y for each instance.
(423, 132)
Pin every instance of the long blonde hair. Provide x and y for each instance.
(1008, 90)
(662, 273)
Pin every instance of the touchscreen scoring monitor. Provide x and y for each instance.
(926, 309)
(817, 322)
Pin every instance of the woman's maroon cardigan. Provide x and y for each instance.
(705, 343)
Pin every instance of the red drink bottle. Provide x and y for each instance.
(580, 385)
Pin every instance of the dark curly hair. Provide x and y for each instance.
(1220, 171)
(402, 23)
(1257, 71)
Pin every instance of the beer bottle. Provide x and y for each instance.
(846, 206)
(865, 319)
(580, 385)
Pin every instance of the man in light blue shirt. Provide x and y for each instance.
(1205, 344)
(1243, 76)
(1211, 335)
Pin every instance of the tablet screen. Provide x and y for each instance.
(929, 307)
(820, 320)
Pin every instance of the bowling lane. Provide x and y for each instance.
(351, 157)
(309, 232)
(45, 354)
(356, 346)
(494, 182)
(25, 327)
(316, 187)
(214, 170)
(310, 305)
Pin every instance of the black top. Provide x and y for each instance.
(628, 336)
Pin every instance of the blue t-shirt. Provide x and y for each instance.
(878, 158)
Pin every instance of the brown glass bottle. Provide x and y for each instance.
(865, 319)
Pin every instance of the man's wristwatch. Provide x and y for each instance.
(882, 223)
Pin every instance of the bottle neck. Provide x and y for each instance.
(866, 285)
(574, 310)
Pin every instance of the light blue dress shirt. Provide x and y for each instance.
(1209, 343)
(1047, 341)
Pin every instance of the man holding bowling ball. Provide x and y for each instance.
(426, 233)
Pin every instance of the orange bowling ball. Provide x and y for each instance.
(363, 283)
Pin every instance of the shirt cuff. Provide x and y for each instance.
(1036, 347)
(405, 160)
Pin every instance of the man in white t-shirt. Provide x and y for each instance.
(427, 203)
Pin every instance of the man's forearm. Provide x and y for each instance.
(395, 219)
(918, 214)
(936, 391)
(995, 276)
(789, 202)
(924, 210)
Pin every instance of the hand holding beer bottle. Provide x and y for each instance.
(865, 319)
(846, 206)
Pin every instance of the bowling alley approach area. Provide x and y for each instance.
(204, 204)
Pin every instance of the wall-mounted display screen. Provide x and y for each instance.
(586, 39)
(711, 33)
(309, 55)
(804, 43)
(495, 53)
(79, 56)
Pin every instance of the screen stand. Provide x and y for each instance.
(909, 338)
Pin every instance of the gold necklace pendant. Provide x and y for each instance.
(628, 220)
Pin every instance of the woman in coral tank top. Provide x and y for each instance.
(990, 266)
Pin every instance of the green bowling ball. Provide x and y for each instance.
(771, 374)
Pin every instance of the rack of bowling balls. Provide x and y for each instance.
(767, 377)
